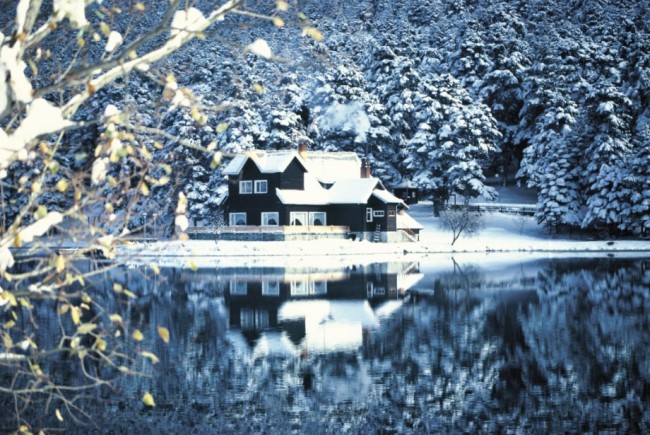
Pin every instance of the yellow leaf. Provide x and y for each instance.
(302, 16)
(117, 288)
(183, 237)
(8, 325)
(59, 263)
(154, 359)
(81, 42)
(155, 269)
(24, 302)
(18, 241)
(64, 309)
(129, 293)
(85, 328)
(223, 126)
(139, 6)
(109, 207)
(282, 5)
(75, 313)
(137, 335)
(258, 88)
(105, 28)
(148, 399)
(163, 333)
(41, 212)
(278, 22)
(6, 340)
(144, 189)
(58, 415)
(62, 185)
(216, 160)
(192, 265)
(100, 344)
(115, 318)
(313, 33)
(10, 297)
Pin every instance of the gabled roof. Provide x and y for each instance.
(386, 196)
(355, 191)
(266, 162)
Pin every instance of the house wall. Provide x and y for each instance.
(351, 215)
(293, 177)
(253, 204)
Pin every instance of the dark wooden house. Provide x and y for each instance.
(314, 189)
(407, 191)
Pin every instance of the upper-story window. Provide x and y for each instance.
(261, 186)
(245, 187)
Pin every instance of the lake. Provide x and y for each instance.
(437, 345)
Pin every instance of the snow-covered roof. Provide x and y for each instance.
(404, 221)
(342, 192)
(386, 196)
(329, 167)
(266, 161)
(353, 191)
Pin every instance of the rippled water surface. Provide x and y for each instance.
(432, 346)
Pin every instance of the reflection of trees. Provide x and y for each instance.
(569, 356)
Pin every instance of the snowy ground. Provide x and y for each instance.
(500, 233)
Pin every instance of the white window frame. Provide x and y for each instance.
(314, 214)
(246, 187)
(271, 288)
(378, 213)
(268, 215)
(232, 219)
(299, 288)
(368, 214)
(261, 186)
(295, 214)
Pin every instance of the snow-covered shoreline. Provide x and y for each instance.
(510, 236)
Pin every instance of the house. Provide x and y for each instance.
(323, 193)
(407, 191)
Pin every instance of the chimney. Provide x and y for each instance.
(302, 150)
(365, 168)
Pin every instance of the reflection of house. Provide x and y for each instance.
(314, 308)
(320, 191)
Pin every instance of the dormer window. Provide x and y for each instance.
(245, 187)
(261, 186)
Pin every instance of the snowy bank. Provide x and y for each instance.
(500, 233)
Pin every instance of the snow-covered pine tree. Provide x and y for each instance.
(605, 141)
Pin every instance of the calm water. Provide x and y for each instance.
(430, 347)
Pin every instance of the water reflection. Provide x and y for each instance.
(434, 347)
(288, 311)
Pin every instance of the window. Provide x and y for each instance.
(378, 213)
(253, 319)
(237, 219)
(261, 186)
(238, 288)
(391, 212)
(245, 187)
(320, 288)
(270, 218)
(317, 218)
(298, 218)
(299, 288)
(271, 288)
(368, 214)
